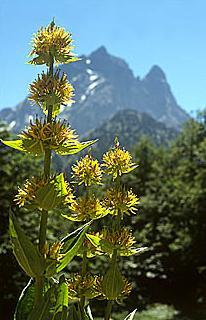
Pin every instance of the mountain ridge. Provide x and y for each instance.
(105, 84)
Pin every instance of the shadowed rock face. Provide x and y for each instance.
(129, 126)
(104, 85)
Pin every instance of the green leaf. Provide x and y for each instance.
(60, 185)
(95, 240)
(15, 144)
(69, 255)
(70, 239)
(131, 315)
(76, 314)
(73, 147)
(32, 146)
(89, 312)
(67, 243)
(133, 251)
(131, 168)
(25, 252)
(61, 306)
(25, 303)
(43, 310)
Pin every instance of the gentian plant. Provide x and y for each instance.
(49, 295)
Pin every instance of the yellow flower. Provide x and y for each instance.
(28, 192)
(117, 161)
(122, 240)
(53, 251)
(42, 135)
(87, 207)
(53, 90)
(44, 193)
(83, 286)
(87, 171)
(119, 201)
(53, 43)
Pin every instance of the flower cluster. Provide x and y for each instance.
(117, 161)
(44, 193)
(108, 241)
(85, 208)
(29, 190)
(122, 240)
(83, 286)
(51, 90)
(120, 201)
(87, 171)
(52, 42)
(41, 135)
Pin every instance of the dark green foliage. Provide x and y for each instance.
(14, 169)
(172, 220)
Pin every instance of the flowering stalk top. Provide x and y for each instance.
(52, 41)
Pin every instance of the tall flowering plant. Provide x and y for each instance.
(49, 294)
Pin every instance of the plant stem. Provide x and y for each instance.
(108, 310)
(39, 282)
(42, 230)
(84, 271)
(47, 169)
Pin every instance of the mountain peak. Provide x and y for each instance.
(156, 73)
(101, 51)
(105, 84)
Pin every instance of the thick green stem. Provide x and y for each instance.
(84, 263)
(42, 230)
(39, 282)
(84, 271)
(47, 163)
(108, 310)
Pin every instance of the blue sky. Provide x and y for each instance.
(169, 33)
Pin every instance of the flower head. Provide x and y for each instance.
(53, 90)
(119, 201)
(87, 171)
(41, 135)
(54, 42)
(117, 161)
(44, 193)
(83, 286)
(85, 208)
(118, 240)
(28, 192)
(122, 240)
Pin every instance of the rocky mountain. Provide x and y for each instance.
(129, 126)
(104, 85)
